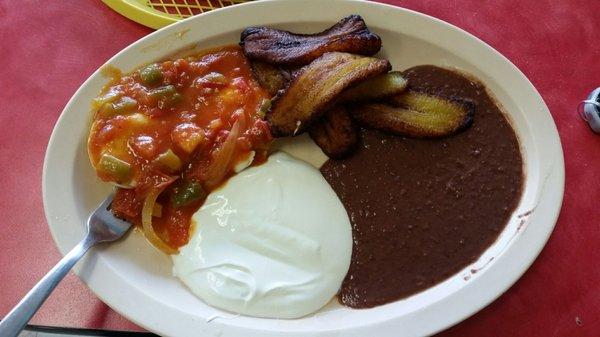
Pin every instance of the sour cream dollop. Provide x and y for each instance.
(275, 241)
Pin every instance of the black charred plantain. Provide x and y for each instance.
(376, 88)
(418, 115)
(315, 89)
(280, 47)
(335, 133)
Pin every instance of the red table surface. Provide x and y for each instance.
(47, 49)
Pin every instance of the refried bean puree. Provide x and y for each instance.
(422, 209)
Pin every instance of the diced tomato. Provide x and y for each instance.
(155, 112)
(260, 133)
(244, 144)
(181, 65)
(241, 84)
(178, 228)
(126, 204)
(144, 146)
(152, 179)
(106, 133)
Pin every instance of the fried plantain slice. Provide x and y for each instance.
(281, 47)
(335, 133)
(417, 115)
(315, 89)
(376, 88)
(270, 77)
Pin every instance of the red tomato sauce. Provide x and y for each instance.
(180, 126)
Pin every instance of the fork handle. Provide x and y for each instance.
(18, 317)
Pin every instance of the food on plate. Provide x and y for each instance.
(376, 88)
(270, 77)
(335, 133)
(282, 253)
(275, 46)
(171, 132)
(315, 89)
(416, 114)
(423, 174)
(423, 209)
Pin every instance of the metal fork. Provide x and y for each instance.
(102, 226)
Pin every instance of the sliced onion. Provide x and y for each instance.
(157, 210)
(218, 168)
(149, 232)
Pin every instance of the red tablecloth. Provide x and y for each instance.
(47, 49)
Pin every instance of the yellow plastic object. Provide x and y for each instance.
(159, 13)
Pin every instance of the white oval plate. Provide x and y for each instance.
(135, 279)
